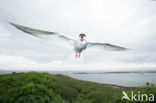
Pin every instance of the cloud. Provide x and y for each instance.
(21, 63)
(15, 60)
(4, 34)
(128, 23)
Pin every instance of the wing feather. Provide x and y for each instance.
(107, 46)
(38, 33)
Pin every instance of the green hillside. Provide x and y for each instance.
(35, 87)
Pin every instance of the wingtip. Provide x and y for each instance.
(11, 23)
(126, 49)
(8, 22)
(123, 49)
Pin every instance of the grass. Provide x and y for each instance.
(35, 87)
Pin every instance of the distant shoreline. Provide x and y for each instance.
(112, 85)
(78, 72)
(120, 72)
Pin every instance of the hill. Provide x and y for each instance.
(36, 87)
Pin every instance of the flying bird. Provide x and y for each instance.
(79, 45)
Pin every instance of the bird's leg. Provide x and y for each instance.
(76, 54)
(79, 54)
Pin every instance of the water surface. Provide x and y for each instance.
(128, 79)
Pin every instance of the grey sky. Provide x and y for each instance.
(128, 23)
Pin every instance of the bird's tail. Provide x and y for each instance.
(71, 61)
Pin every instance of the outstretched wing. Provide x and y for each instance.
(39, 33)
(106, 46)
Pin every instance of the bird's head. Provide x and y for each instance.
(82, 36)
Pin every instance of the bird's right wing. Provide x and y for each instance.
(40, 33)
(106, 46)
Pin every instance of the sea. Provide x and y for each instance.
(126, 79)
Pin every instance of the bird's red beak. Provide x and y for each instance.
(82, 37)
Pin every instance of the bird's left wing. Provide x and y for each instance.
(39, 33)
(106, 46)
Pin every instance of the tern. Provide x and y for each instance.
(78, 45)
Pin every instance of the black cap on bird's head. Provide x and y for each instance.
(82, 35)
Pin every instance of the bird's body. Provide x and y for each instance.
(79, 45)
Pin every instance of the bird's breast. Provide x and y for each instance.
(80, 45)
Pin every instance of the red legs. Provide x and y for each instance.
(79, 54)
(76, 54)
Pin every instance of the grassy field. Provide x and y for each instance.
(35, 87)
